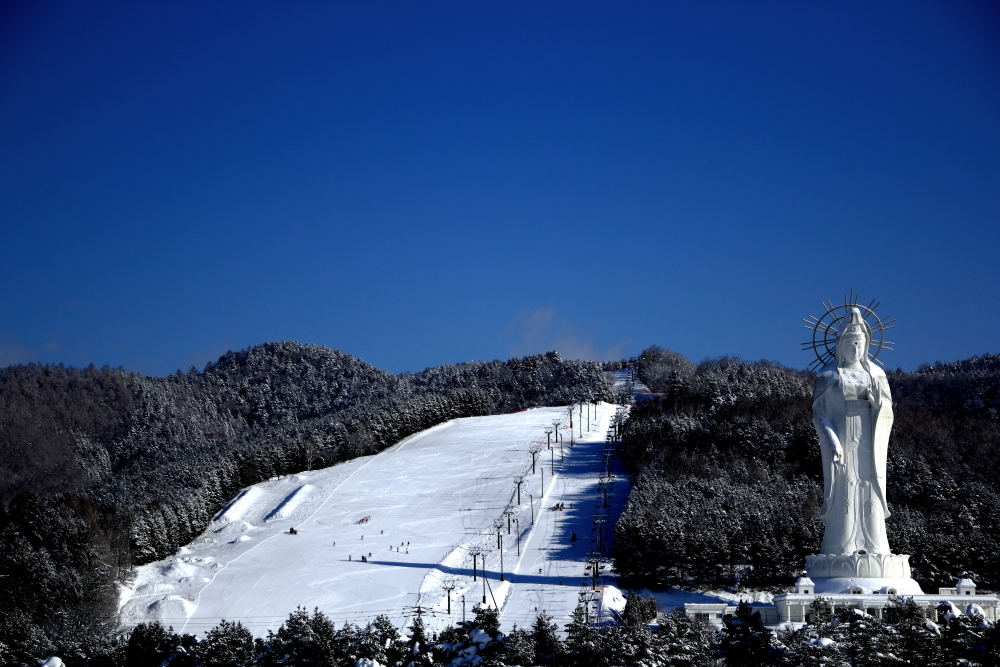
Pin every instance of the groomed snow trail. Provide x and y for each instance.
(418, 509)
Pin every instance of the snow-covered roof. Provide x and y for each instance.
(965, 581)
(803, 581)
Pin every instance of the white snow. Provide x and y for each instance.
(974, 609)
(433, 497)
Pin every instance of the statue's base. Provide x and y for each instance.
(865, 586)
(862, 572)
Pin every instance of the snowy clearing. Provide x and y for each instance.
(420, 509)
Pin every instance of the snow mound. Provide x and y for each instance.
(178, 570)
(154, 588)
(172, 606)
(952, 611)
(612, 600)
(234, 527)
(974, 610)
(823, 642)
(290, 503)
(52, 662)
(240, 505)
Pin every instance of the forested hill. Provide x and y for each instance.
(101, 469)
(167, 452)
(729, 483)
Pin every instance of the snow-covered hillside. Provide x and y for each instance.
(418, 509)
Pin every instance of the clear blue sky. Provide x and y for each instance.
(420, 183)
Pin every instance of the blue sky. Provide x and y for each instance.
(420, 183)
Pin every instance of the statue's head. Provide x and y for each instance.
(853, 340)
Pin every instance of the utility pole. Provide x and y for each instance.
(534, 449)
(518, 526)
(552, 458)
(508, 513)
(475, 553)
(463, 609)
(543, 482)
(581, 419)
(571, 416)
(555, 425)
(532, 498)
(587, 598)
(600, 533)
(449, 585)
(594, 558)
(483, 554)
(548, 437)
(519, 480)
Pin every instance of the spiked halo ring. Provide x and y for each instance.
(826, 328)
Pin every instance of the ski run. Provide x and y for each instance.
(391, 533)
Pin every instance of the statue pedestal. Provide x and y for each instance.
(874, 573)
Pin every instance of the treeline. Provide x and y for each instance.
(847, 637)
(132, 467)
(728, 482)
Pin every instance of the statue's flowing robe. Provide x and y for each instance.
(829, 416)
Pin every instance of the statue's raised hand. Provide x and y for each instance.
(874, 395)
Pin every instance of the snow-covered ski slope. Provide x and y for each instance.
(419, 509)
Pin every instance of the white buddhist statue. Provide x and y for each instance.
(852, 414)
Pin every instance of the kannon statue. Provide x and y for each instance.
(852, 414)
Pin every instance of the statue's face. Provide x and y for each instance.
(854, 349)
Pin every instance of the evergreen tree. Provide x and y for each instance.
(227, 645)
(635, 612)
(746, 641)
(545, 635)
(150, 644)
(520, 647)
(581, 638)
(919, 638)
(651, 612)
(303, 639)
(418, 650)
(685, 643)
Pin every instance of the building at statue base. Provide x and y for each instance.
(792, 609)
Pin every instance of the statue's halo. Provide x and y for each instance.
(826, 328)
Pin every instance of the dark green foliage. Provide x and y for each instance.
(57, 594)
(227, 645)
(304, 639)
(520, 647)
(548, 647)
(636, 612)
(746, 642)
(581, 637)
(848, 637)
(417, 651)
(150, 644)
(685, 643)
